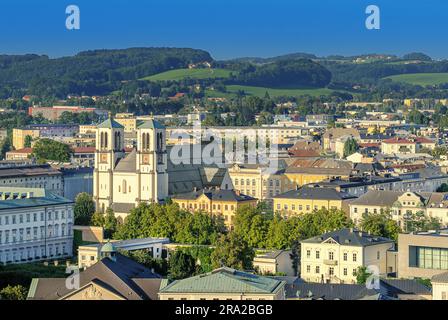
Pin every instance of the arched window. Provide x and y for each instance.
(106, 142)
(147, 142)
(124, 186)
(144, 141)
(102, 140)
(119, 141)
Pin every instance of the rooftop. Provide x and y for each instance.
(349, 237)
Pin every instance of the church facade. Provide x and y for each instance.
(122, 181)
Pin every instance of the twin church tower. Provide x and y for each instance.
(123, 180)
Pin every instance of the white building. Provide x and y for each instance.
(122, 181)
(335, 257)
(34, 225)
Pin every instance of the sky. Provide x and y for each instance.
(226, 28)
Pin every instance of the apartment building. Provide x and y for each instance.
(54, 113)
(311, 198)
(401, 205)
(409, 145)
(217, 202)
(336, 256)
(36, 131)
(34, 225)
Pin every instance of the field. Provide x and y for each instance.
(421, 79)
(261, 91)
(179, 74)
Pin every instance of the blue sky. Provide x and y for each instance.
(226, 28)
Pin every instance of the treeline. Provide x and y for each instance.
(285, 73)
(95, 72)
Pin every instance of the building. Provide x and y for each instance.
(224, 284)
(216, 202)
(3, 134)
(39, 131)
(311, 198)
(336, 256)
(32, 176)
(89, 254)
(77, 180)
(21, 154)
(331, 135)
(114, 277)
(423, 254)
(84, 156)
(257, 180)
(401, 205)
(34, 225)
(54, 113)
(440, 286)
(410, 145)
(274, 263)
(122, 181)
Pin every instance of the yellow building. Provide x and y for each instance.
(19, 137)
(257, 181)
(310, 199)
(128, 121)
(298, 176)
(217, 202)
(335, 257)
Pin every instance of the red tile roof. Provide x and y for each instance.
(24, 150)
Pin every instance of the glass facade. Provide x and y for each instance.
(432, 258)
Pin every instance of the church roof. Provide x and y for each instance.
(128, 163)
(149, 124)
(109, 124)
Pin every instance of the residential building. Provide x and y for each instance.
(216, 202)
(276, 262)
(422, 254)
(331, 135)
(336, 256)
(34, 225)
(114, 277)
(401, 205)
(409, 145)
(224, 284)
(311, 198)
(39, 131)
(257, 181)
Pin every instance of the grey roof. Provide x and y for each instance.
(404, 286)
(349, 237)
(28, 171)
(378, 198)
(225, 280)
(128, 163)
(273, 254)
(123, 277)
(315, 193)
(320, 171)
(149, 124)
(440, 278)
(214, 194)
(48, 200)
(109, 124)
(327, 291)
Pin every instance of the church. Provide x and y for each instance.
(122, 179)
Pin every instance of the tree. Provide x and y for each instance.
(84, 209)
(350, 147)
(13, 293)
(362, 275)
(181, 265)
(47, 149)
(418, 221)
(443, 188)
(381, 224)
(5, 146)
(107, 221)
(28, 141)
(233, 252)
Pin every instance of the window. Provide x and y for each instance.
(354, 257)
(308, 269)
(345, 271)
(331, 271)
(308, 253)
(317, 254)
(331, 255)
(345, 256)
(378, 255)
(317, 269)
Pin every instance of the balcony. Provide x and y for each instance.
(329, 262)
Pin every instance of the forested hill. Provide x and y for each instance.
(90, 72)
